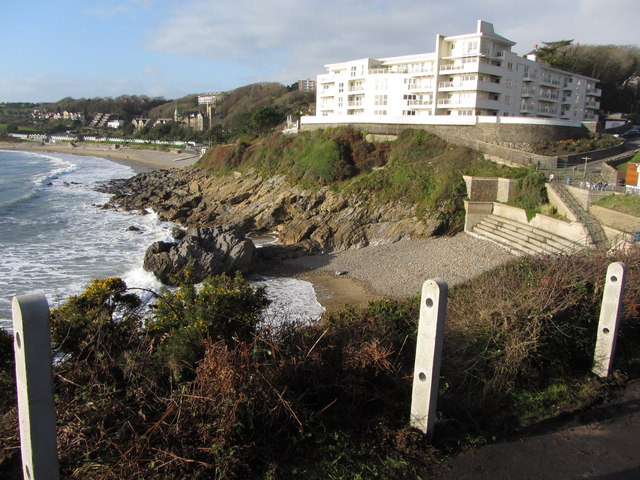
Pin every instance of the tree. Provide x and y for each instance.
(613, 65)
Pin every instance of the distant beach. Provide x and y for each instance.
(139, 160)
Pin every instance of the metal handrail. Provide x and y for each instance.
(594, 228)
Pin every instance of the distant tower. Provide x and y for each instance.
(175, 114)
(209, 99)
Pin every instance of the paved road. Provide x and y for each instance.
(601, 444)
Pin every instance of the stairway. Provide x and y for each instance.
(594, 228)
(522, 239)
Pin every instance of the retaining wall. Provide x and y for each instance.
(617, 220)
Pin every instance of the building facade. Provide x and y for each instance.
(472, 75)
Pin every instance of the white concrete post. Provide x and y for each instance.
(609, 319)
(36, 408)
(426, 375)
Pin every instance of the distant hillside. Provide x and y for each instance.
(126, 107)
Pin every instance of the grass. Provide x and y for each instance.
(629, 204)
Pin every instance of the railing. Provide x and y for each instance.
(594, 228)
(419, 102)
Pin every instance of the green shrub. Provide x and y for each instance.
(101, 319)
(225, 308)
(531, 191)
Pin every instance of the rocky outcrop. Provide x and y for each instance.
(204, 251)
(322, 217)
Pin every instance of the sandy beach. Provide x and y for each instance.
(394, 270)
(140, 160)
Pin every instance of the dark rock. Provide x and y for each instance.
(178, 233)
(132, 228)
(206, 251)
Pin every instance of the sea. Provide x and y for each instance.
(55, 238)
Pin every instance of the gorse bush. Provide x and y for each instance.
(224, 308)
(102, 318)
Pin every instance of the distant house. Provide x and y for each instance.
(115, 123)
(307, 85)
(140, 123)
(162, 121)
(193, 121)
(632, 178)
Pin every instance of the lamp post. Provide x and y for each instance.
(586, 159)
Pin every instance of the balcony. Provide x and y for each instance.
(594, 92)
(546, 96)
(420, 87)
(547, 111)
(458, 85)
(594, 105)
(528, 108)
(413, 103)
(355, 103)
(529, 92)
(550, 81)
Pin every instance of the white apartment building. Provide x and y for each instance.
(472, 75)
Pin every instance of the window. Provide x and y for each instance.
(507, 99)
(510, 66)
(472, 46)
(340, 99)
(409, 97)
(408, 112)
(381, 84)
(380, 100)
(509, 84)
(341, 87)
(353, 71)
(380, 112)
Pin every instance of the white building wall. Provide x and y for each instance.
(468, 75)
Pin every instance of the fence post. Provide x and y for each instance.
(609, 319)
(426, 375)
(36, 408)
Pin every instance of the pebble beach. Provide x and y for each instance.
(396, 270)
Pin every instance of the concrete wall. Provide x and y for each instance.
(476, 211)
(586, 197)
(492, 136)
(506, 187)
(574, 231)
(578, 158)
(489, 189)
(617, 239)
(558, 203)
(617, 220)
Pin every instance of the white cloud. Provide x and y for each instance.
(292, 38)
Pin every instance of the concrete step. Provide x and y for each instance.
(523, 239)
(542, 233)
(507, 237)
(539, 238)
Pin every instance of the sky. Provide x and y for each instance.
(53, 49)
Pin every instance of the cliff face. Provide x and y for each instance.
(320, 220)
